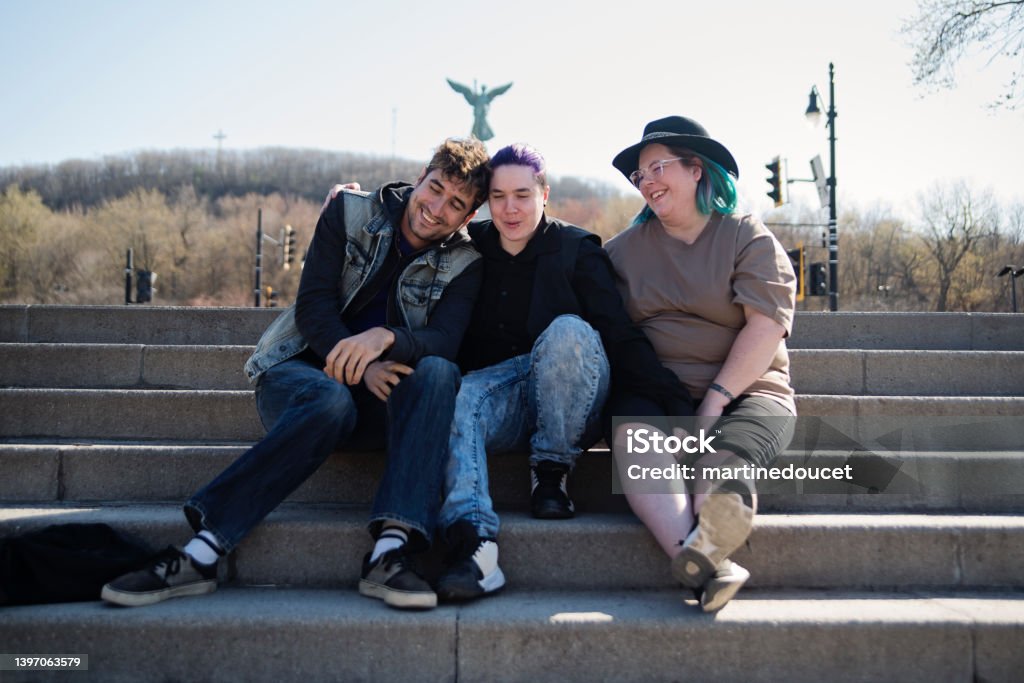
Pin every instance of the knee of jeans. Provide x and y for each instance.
(569, 328)
(437, 369)
(570, 334)
(329, 400)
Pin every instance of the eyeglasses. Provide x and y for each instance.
(654, 170)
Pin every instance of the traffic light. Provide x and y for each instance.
(289, 246)
(777, 182)
(796, 257)
(817, 279)
(144, 286)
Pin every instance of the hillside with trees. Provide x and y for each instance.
(190, 216)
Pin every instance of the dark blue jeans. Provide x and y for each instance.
(309, 416)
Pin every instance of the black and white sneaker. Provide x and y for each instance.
(393, 579)
(173, 574)
(549, 498)
(471, 567)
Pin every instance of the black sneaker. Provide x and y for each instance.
(173, 574)
(548, 496)
(393, 579)
(471, 566)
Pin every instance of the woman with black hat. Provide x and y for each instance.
(715, 293)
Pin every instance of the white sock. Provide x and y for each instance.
(204, 548)
(393, 536)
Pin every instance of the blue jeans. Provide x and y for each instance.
(549, 400)
(309, 416)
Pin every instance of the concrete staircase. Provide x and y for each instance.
(117, 414)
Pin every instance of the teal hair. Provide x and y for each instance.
(716, 190)
(645, 215)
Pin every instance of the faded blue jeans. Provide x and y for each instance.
(548, 400)
(310, 415)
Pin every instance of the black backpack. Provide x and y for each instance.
(65, 563)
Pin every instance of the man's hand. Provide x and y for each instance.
(383, 376)
(348, 359)
(333, 192)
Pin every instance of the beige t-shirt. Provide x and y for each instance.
(689, 298)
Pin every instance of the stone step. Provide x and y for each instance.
(124, 366)
(134, 324)
(882, 596)
(902, 423)
(902, 373)
(273, 635)
(323, 546)
(183, 325)
(982, 481)
(908, 331)
(208, 416)
(815, 371)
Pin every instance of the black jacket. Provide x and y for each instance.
(572, 274)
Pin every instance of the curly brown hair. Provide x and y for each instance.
(464, 161)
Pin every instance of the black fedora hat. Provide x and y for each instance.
(681, 132)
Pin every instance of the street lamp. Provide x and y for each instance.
(813, 114)
(1013, 272)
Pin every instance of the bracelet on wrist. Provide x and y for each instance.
(722, 390)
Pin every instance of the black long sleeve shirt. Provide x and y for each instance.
(562, 270)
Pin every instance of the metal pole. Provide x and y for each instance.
(833, 238)
(1013, 291)
(128, 278)
(259, 255)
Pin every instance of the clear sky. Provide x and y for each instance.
(88, 78)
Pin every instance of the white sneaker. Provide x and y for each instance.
(472, 569)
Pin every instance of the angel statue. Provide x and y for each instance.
(480, 101)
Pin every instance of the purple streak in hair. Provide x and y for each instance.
(521, 154)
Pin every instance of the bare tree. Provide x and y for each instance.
(1014, 224)
(943, 31)
(955, 222)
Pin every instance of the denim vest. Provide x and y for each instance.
(369, 236)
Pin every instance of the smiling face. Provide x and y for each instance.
(516, 201)
(672, 195)
(437, 208)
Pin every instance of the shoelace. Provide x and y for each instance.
(398, 557)
(549, 479)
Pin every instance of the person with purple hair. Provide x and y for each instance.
(549, 334)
